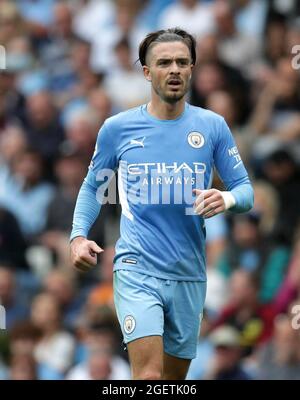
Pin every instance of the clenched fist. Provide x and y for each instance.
(84, 253)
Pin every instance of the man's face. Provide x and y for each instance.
(169, 68)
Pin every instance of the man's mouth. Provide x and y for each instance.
(174, 82)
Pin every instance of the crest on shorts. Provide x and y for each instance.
(129, 324)
(196, 140)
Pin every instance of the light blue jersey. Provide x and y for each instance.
(159, 162)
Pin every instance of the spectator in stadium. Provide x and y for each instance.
(253, 252)
(87, 81)
(42, 125)
(99, 101)
(27, 190)
(92, 18)
(289, 291)
(23, 337)
(38, 15)
(80, 55)
(235, 82)
(15, 309)
(192, 15)
(250, 16)
(55, 349)
(81, 130)
(125, 24)
(12, 145)
(69, 171)
(64, 288)
(275, 39)
(209, 77)
(226, 362)
(237, 49)
(11, 22)
(99, 360)
(12, 102)
(101, 363)
(278, 100)
(228, 105)
(19, 56)
(266, 204)
(78, 75)
(281, 170)
(55, 54)
(126, 79)
(280, 359)
(244, 312)
(12, 242)
(23, 367)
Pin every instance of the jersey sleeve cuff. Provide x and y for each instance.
(229, 199)
(77, 233)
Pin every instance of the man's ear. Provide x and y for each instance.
(147, 74)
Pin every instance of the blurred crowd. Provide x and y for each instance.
(69, 66)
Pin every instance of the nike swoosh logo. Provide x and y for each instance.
(138, 142)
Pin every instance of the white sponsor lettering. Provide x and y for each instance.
(296, 319)
(2, 58)
(163, 168)
(233, 152)
(296, 59)
(2, 317)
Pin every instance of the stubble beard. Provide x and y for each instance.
(173, 97)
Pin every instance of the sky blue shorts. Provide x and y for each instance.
(148, 306)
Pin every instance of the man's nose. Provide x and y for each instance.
(174, 68)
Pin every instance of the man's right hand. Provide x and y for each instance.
(84, 253)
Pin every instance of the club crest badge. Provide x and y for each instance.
(129, 324)
(196, 140)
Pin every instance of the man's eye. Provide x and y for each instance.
(183, 63)
(164, 62)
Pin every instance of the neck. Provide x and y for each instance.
(163, 110)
